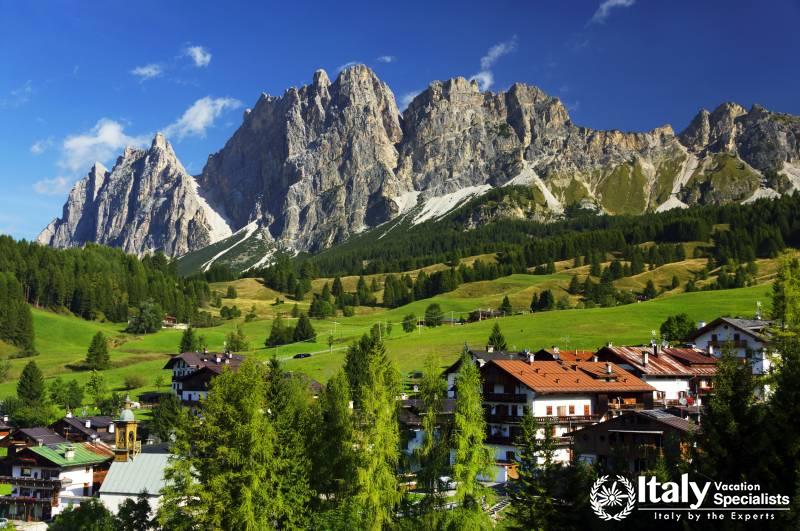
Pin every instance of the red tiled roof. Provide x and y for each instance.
(668, 362)
(556, 377)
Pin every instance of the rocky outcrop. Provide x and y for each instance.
(146, 202)
(316, 164)
(327, 160)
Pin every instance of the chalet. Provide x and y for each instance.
(483, 314)
(24, 437)
(192, 372)
(637, 437)
(679, 375)
(48, 478)
(480, 358)
(563, 395)
(410, 415)
(747, 338)
(85, 429)
(5, 427)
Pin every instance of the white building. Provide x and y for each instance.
(192, 372)
(47, 479)
(561, 395)
(144, 473)
(747, 338)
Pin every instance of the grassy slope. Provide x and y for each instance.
(62, 340)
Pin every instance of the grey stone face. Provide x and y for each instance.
(331, 159)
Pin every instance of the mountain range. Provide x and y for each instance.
(308, 169)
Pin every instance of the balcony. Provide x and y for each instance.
(728, 344)
(505, 397)
(567, 419)
(634, 406)
(35, 483)
(499, 439)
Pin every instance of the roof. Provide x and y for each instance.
(667, 418)
(555, 353)
(79, 424)
(85, 453)
(668, 361)
(143, 472)
(127, 416)
(205, 359)
(557, 377)
(756, 328)
(45, 435)
(485, 356)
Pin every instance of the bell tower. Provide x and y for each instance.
(126, 447)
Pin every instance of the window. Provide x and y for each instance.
(510, 456)
(586, 410)
(736, 337)
(562, 411)
(549, 410)
(571, 409)
(714, 338)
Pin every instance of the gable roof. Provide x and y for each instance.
(653, 415)
(554, 353)
(686, 362)
(485, 356)
(557, 377)
(755, 328)
(85, 453)
(143, 472)
(205, 359)
(45, 435)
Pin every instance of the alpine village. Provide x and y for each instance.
(456, 308)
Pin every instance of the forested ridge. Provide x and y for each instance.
(93, 282)
(759, 229)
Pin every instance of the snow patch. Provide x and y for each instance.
(762, 193)
(248, 229)
(528, 176)
(689, 167)
(792, 171)
(671, 203)
(406, 201)
(219, 229)
(436, 207)
(266, 259)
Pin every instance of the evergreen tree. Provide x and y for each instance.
(304, 331)
(326, 293)
(535, 301)
(409, 322)
(433, 315)
(295, 313)
(472, 457)
(786, 294)
(90, 515)
(134, 515)
(231, 293)
(532, 494)
(677, 327)
(338, 289)
(168, 416)
(97, 357)
(675, 282)
(30, 387)
(496, 338)
(189, 342)
(223, 476)
(547, 301)
(574, 285)
(506, 307)
(147, 320)
(333, 462)
(236, 340)
(650, 291)
(377, 438)
(730, 442)
(287, 401)
(279, 334)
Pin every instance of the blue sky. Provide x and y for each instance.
(81, 79)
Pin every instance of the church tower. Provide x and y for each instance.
(126, 447)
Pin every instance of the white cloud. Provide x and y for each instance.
(54, 186)
(386, 59)
(200, 55)
(485, 77)
(200, 116)
(407, 98)
(605, 8)
(18, 97)
(40, 146)
(101, 143)
(147, 71)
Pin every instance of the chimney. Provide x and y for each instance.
(218, 359)
(39, 442)
(230, 356)
(489, 348)
(608, 368)
(88, 423)
(5, 418)
(111, 428)
(594, 358)
(701, 324)
(205, 350)
(69, 453)
(610, 344)
(556, 351)
(68, 415)
(646, 356)
(530, 357)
